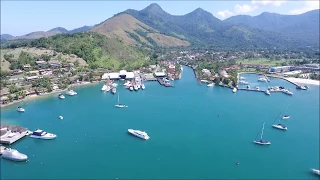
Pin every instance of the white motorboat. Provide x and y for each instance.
(104, 87)
(234, 90)
(71, 93)
(135, 87)
(315, 171)
(243, 82)
(267, 92)
(286, 117)
(140, 134)
(114, 90)
(261, 141)
(61, 96)
(286, 91)
(210, 85)
(20, 109)
(108, 88)
(280, 126)
(242, 78)
(60, 117)
(131, 88)
(14, 155)
(120, 105)
(40, 134)
(142, 86)
(263, 79)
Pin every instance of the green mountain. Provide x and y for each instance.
(304, 26)
(201, 28)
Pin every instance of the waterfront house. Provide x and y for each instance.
(55, 64)
(159, 74)
(26, 66)
(31, 78)
(4, 100)
(16, 71)
(41, 63)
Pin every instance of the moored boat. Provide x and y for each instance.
(40, 134)
(261, 141)
(210, 85)
(286, 117)
(71, 93)
(61, 96)
(315, 171)
(20, 109)
(131, 88)
(114, 90)
(14, 155)
(104, 87)
(142, 86)
(280, 126)
(234, 90)
(267, 92)
(140, 134)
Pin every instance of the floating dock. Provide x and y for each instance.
(11, 134)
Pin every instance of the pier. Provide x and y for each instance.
(163, 84)
(11, 134)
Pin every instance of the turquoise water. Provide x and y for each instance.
(188, 139)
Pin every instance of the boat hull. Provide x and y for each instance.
(20, 110)
(261, 143)
(44, 137)
(285, 117)
(315, 171)
(120, 106)
(279, 127)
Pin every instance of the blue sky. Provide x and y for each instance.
(22, 17)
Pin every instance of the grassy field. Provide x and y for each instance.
(265, 61)
(37, 52)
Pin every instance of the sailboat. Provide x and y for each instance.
(286, 116)
(279, 126)
(261, 141)
(120, 105)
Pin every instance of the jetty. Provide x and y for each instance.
(11, 134)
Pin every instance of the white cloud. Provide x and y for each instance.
(240, 9)
(307, 6)
(276, 3)
(225, 14)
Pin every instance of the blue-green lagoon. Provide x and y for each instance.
(188, 140)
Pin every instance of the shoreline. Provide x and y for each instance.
(34, 96)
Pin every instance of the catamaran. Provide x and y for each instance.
(120, 105)
(279, 126)
(261, 141)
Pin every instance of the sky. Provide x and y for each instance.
(22, 17)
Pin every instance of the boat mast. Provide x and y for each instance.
(277, 118)
(262, 131)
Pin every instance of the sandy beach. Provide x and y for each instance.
(301, 81)
(32, 97)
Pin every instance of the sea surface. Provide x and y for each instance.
(196, 132)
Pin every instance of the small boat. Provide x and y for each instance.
(306, 86)
(280, 126)
(114, 90)
(135, 87)
(267, 92)
(242, 78)
(287, 92)
(257, 88)
(315, 171)
(261, 141)
(40, 134)
(114, 85)
(142, 86)
(131, 88)
(210, 85)
(140, 134)
(243, 82)
(104, 87)
(301, 87)
(234, 90)
(60, 117)
(248, 87)
(71, 93)
(263, 79)
(20, 109)
(61, 96)
(14, 155)
(286, 117)
(120, 105)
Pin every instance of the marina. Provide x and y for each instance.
(91, 117)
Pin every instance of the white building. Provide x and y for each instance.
(160, 74)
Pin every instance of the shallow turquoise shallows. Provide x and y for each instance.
(196, 132)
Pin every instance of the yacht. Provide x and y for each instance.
(267, 92)
(40, 134)
(104, 87)
(210, 85)
(142, 86)
(280, 126)
(114, 90)
(263, 79)
(261, 141)
(243, 82)
(315, 171)
(286, 117)
(234, 90)
(287, 92)
(131, 88)
(14, 155)
(135, 87)
(60, 117)
(114, 85)
(20, 109)
(61, 96)
(71, 93)
(140, 134)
